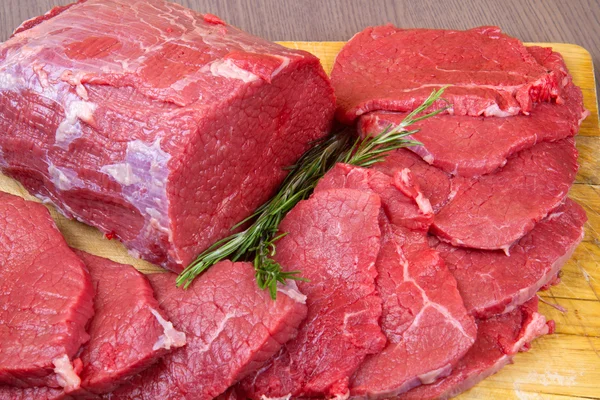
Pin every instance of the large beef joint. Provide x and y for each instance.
(150, 121)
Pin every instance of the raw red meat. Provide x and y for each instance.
(333, 238)
(491, 282)
(498, 340)
(46, 299)
(154, 122)
(424, 319)
(490, 73)
(471, 146)
(129, 331)
(232, 329)
(496, 210)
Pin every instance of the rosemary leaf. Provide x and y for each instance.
(258, 241)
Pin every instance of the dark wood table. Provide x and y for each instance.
(568, 21)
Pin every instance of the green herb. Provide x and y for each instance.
(257, 241)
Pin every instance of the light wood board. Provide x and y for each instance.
(565, 365)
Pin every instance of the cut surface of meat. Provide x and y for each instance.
(498, 209)
(152, 122)
(472, 146)
(498, 340)
(33, 393)
(232, 329)
(491, 282)
(424, 319)
(333, 238)
(495, 210)
(128, 332)
(490, 73)
(46, 296)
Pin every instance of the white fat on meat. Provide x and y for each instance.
(286, 397)
(70, 128)
(290, 289)
(122, 173)
(65, 374)
(64, 178)
(8, 82)
(227, 69)
(171, 337)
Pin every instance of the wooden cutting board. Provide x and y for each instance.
(565, 365)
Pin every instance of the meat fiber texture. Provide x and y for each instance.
(128, 333)
(492, 283)
(424, 319)
(498, 340)
(392, 69)
(333, 238)
(473, 146)
(154, 123)
(232, 329)
(47, 300)
(495, 210)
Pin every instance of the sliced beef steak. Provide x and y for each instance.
(498, 209)
(498, 340)
(153, 122)
(46, 299)
(491, 74)
(495, 210)
(232, 329)
(424, 319)
(33, 393)
(471, 146)
(491, 282)
(129, 331)
(333, 238)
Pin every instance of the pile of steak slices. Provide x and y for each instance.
(422, 271)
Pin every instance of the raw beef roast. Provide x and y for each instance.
(498, 340)
(471, 146)
(46, 299)
(491, 74)
(160, 125)
(129, 331)
(424, 319)
(333, 238)
(491, 282)
(496, 210)
(232, 329)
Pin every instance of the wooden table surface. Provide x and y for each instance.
(566, 21)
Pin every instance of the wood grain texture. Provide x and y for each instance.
(563, 21)
(562, 366)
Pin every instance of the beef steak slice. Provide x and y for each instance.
(129, 331)
(232, 329)
(424, 319)
(491, 282)
(498, 340)
(155, 123)
(46, 296)
(490, 73)
(473, 146)
(333, 238)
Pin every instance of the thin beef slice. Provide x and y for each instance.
(498, 340)
(393, 69)
(500, 208)
(495, 210)
(426, 324)
(333, 239)
(160, 125)
(473, 146)
(232, 329)
(46, 299)
(491, 282)
(129, 331)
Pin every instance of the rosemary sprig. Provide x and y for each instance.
(257, 241)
